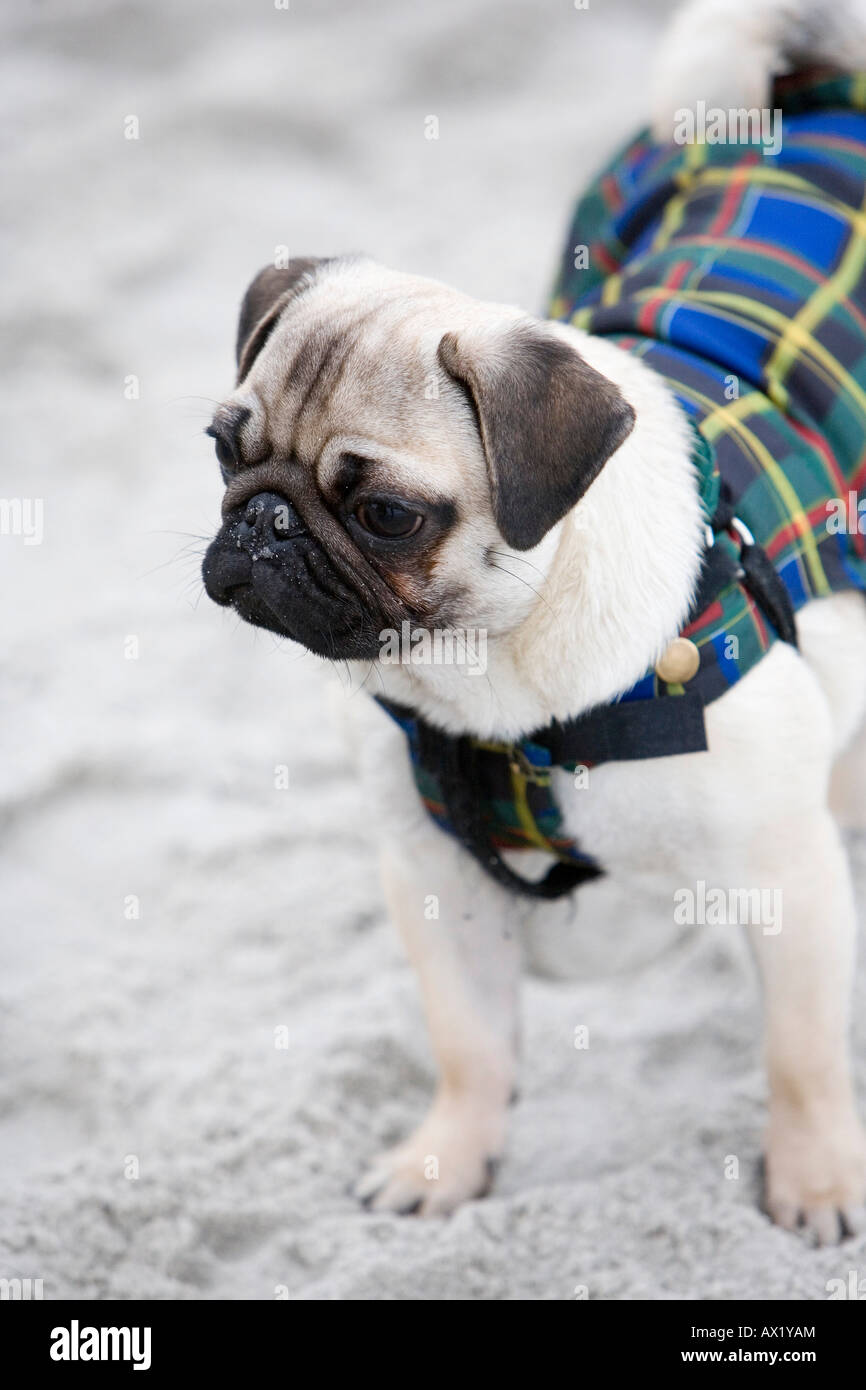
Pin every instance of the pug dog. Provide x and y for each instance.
(397, 453)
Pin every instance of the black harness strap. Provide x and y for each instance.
(755, 572)
(628, 732)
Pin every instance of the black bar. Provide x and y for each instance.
(222, 1338)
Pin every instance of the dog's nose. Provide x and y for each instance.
(262, 529)
(268, 520)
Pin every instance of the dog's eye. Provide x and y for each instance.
(389, 519)
(225, 455)
(224, 452)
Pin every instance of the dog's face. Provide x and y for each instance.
(390, 444)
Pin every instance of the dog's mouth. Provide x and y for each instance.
(266, 564)
(254, 609)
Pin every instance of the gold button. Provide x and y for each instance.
(679, 663)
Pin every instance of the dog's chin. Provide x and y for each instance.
(267, 596)
(327, 635)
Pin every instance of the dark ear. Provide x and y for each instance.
(548, 422)
(263, 303)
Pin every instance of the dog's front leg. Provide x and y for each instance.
(815, 1150)
(457, 929)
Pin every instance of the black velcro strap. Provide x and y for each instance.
(562, 878)
(719, 571)
(628, 732)
(756, 573)
(769, 592)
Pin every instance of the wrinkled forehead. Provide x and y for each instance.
(342, 367)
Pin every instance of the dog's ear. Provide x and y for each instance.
(548, 422)
(264, 301)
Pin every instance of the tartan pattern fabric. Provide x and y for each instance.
(740, 277)
(519, 808)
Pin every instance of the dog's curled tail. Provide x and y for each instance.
(727, 52)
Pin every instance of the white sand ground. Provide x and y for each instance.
(153, 1037)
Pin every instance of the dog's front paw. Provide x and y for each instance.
(816, 1177)
(450, 1159)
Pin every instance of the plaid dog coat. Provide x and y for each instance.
(740, 277)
